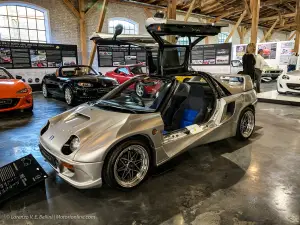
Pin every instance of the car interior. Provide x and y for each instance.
(192, 103)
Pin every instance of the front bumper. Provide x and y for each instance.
(270, 74)
(18, 103)
(90, 93)
(286, 87)
(82, 176)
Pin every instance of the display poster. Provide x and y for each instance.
(269, 50)
(240, 50)
(109, 56)
(215, 54)
(287, 48)
(36, 55)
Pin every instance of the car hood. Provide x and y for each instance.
(294, 73)
(85, 122)
(269, 68)
(9, 87)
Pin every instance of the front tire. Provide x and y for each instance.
(128, 165)
(246, 124)
(45, 91)
(69, 96)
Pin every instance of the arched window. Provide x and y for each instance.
(23, 22)
(129, 26)
(222, 37)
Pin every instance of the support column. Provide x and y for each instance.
(82, 33)
(297, 20)
(255, 4)
(99, 28)
(171, 14)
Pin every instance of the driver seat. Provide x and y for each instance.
(192, 110)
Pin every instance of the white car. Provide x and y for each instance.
(289, 82)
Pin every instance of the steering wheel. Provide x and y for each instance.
(137, 99)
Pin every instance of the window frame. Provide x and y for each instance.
(221, 37)
(135, 24)
(35, 7)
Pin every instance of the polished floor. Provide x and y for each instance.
(228, 182)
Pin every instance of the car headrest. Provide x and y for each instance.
(183, 89)
(196, 90)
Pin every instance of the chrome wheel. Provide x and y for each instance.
(247, 124)
(131, 166)
(139, 88)
(45, 91)
(68, 96)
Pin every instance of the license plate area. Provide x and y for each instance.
(49, 157)
(5, 101)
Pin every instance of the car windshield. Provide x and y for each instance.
(5, 75)
(139, 95)
(136, 69)
(77, 71)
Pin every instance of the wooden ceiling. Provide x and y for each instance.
(270, 11)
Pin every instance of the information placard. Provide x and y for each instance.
(20, 175)
(16, 55)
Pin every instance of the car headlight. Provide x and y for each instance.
(285, 77)
(81, 84)
(22, 91)
(74, 144)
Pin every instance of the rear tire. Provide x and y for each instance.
(246, 124)
(127, 165)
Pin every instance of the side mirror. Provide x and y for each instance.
(18, 77)
(118, 31)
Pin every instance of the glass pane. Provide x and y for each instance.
(23, 23)
(41, 35)
(111, 23)
(33, 35)
(4, 33)
(111, 30)
(39, 14)
(13, 22)
(21, 11)
(3, 21)
(12, 10)
(14, 34)
(3, 10)
(40, 24)
(30, 13)
(31, 23)
(24, 35)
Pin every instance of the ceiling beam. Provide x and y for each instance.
(275, 17)
(269, 31)
(99, 28)
(187, 15)
(72, 8)
(248, 9)
(225, 14)
(273, 2)
(236, 25)
(290, 7)
(148, 13)
(292, 36)
(93, 6)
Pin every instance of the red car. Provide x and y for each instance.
(126, 72)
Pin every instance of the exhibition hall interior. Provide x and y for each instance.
(150, 112)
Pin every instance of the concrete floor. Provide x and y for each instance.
(228, 182)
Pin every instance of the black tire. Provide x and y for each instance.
(239, 133)
(186, 80)
(45, 91)
(69, 100)
(108, 171)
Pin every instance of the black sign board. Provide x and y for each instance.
(36, 55)
(215, 54)
(110, 56)
(20, 175)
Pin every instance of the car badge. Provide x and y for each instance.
(51, 137)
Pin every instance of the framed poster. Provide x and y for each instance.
(287, 48)
(269, 50)
(35, 55)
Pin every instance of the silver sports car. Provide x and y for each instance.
(120, 137)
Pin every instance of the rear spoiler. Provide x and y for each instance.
(235, 83)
